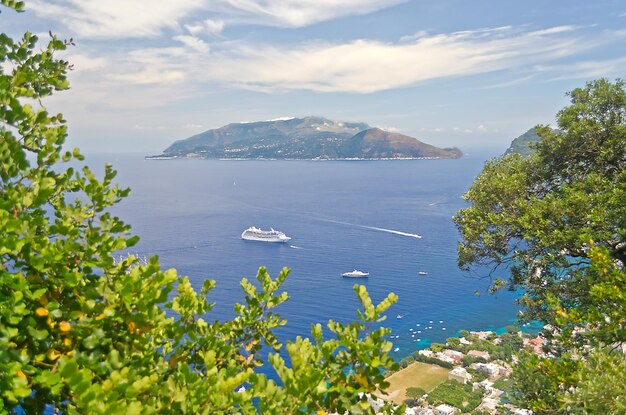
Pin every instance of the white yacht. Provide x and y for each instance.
(422, 273)
(256, 234)
(355, 274)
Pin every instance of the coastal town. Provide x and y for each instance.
(466, 375)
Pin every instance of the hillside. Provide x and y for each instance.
(521, 144)
(303, 138)
(376, 143)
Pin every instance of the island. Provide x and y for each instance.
(308, 138)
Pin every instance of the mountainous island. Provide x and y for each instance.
(522, 144)
(304, 138)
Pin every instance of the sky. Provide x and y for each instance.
(471, 74)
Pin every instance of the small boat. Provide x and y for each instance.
(397, 349)
(422, 273)
(399, 316)
(355, 274)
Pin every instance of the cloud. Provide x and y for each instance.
(188, 66)
(115, 18)
(585, 69)
(367, 66)
(118, 19)
(294, 13)
(193, 42)
(212, 27)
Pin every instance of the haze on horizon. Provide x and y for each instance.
(451, 73)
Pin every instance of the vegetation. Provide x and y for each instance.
(556, 223)
(82, 333)
(304, 138)
(525, 143)
(418, 375)
(432, 361)
(413, 392)
(456, 394)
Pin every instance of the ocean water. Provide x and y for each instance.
(341, 215)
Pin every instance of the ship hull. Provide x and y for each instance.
(273, 240)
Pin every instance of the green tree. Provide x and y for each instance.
(531, 219)
(82, 333)
(555, 225)
(437, 347)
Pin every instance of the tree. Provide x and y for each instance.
(555, 222)
(532, 218)
(82, 333)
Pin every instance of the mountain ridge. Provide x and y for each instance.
(310, 137)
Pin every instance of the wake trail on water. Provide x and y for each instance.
(410, 235)
(373, 228)
(316, 216)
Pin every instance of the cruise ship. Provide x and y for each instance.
(355, 274)
(256, 234)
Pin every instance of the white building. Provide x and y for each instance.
(491, 369)
(489, 405)
(427, 353)
(478, 353)
(482, 335)
(444, 409)
(460, 375)
(456, 355)
(444, 358)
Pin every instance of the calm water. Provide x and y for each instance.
(192, 212)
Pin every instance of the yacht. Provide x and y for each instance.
(256, 234)
(355, 274)
(422, 273)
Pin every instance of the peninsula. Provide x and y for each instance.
(312, 138)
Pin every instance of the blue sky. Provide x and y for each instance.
(465, 73)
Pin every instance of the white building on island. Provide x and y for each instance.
(460, 375)
(444, 409)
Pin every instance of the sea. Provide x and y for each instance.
(390, 218)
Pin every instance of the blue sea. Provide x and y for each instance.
(341, 215)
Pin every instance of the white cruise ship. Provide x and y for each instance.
(256, 234)
(355, 274)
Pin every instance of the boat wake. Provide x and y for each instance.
(410, 235)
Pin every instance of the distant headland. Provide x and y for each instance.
(308, 138)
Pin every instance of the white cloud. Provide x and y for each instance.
(140, 18)
(295, 13)
(585, 69)
(193, 42)
(212, 27)
(359, 66)
(115, 18)
(368, 66)
(389, 128)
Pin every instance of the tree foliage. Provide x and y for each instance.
(533, 217)
(82, 333)
(555, 222)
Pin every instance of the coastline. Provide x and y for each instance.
(529, 328)
(293, 159)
